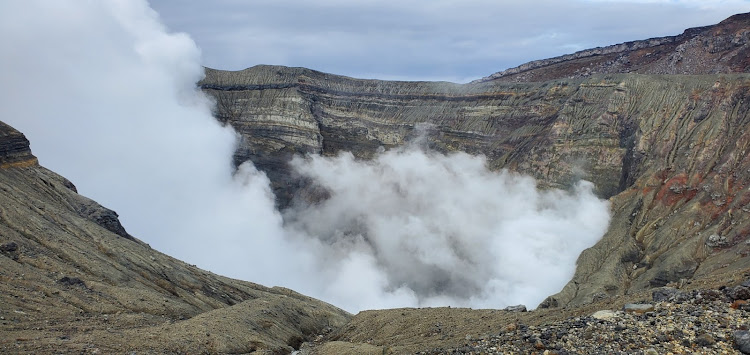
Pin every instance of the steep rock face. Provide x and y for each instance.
(72, 280)
(722, 48)
(685, 214)
(14, 148)
(284, 111)
(668, 150)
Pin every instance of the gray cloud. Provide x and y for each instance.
(430, 40)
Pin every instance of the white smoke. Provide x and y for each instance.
(442, 229)
(107, 97)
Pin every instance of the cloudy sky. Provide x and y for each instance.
(423, 39)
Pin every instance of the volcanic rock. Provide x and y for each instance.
(517, 308)
(638, 308)
(14, 148)
(742, 339)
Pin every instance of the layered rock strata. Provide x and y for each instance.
(14, 148)
(669, 151)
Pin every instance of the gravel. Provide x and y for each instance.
(676, 322)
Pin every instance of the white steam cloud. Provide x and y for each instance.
(107, 97)
(432, 229)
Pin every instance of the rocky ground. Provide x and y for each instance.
(708, 316)
(674, 322)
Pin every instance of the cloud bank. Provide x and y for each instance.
(107, 97)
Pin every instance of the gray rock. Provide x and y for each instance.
(8, 247)
(102, 216)
(549, 302)
(668, 294)
(717, 241)
(742, 340)
(605, 315)
(639, 308)
(517, 308)
(705, 340)
(71, 281)
(14, 147)
(704, 296)
(738, 293)
(10, 250)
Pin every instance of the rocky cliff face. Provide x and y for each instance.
(14, 148)
(684, 212)
(722, 48)
(72, 280)
(284, 111)
(669, 151)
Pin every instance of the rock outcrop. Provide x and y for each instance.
(14, 148)
(72, 280)
(281, 111)
(722, 48)
(669, 151)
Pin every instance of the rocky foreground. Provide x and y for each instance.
(692, 317)
(674, 322)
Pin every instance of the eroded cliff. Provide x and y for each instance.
(669, 151)
(284, 111)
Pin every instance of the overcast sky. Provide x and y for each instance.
(453, 40)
